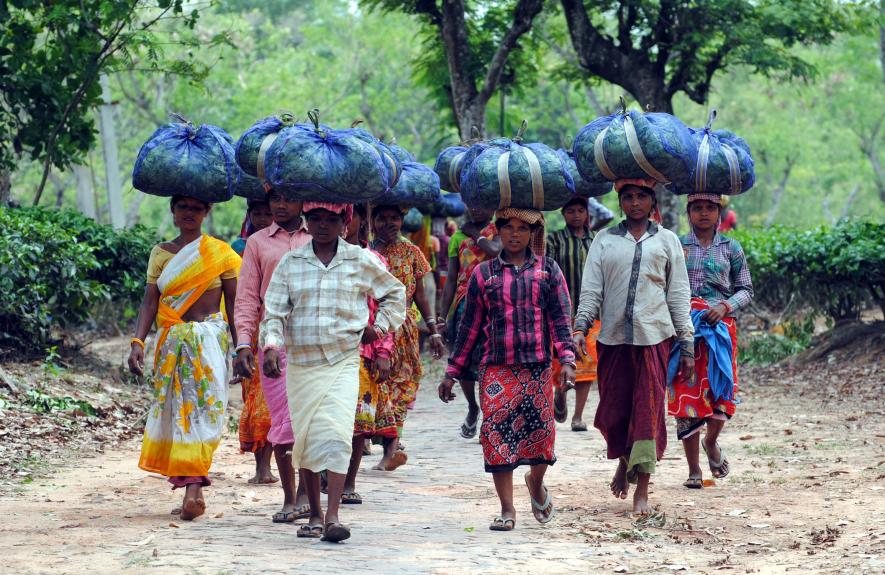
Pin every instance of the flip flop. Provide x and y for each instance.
(285, 516)
(560, 407)
(468, 431)
(694, 483)
(302, 511)
(502, 524)
(352, 498)
(580, 426)
(548, 501)
(310, 531)
(716, 466)
(336, 532)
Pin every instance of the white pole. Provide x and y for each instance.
(109, 148)
(85, 193)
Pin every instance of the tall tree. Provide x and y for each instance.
(478, 43)
(51, 56)
(656, 49)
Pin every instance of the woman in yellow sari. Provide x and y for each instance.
(186, 279)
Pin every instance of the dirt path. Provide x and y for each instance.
(806, 494)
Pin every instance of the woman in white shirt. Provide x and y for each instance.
(636, 283)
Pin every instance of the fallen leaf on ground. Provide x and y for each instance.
(173, 525)
(736, 512)
(745, 437)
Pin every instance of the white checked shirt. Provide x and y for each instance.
(324, 308)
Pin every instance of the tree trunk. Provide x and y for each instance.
(5, 188)
(651, 97)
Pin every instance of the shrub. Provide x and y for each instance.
(830, 270)
(57, 266)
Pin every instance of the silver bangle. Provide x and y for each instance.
(439, 335)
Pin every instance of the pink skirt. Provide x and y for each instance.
(277, 402)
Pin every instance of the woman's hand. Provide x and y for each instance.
(136, 360)
(370, 335)
(715, 314)
(271, 363)
(445, 389)
(437, 345)
(567, 375)
(245, 362)
(686, 367)
(441, 326)
(382, 368)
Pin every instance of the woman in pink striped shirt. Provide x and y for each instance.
(520, 303)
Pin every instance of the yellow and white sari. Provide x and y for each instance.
(187, 417)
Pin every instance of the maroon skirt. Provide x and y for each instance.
(633, 400)
(517, 416)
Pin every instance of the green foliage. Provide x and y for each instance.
(829, 270)
(767, 349)
(44, 403)
(51, 55)
(56, 266)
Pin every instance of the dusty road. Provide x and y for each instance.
(806, 494)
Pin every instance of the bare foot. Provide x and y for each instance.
(640, 502)
(261, 479)
(397, 459)
(194, 505)
(619, 485)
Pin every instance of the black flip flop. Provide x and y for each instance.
(468, 431)
(285, 516)
(352, 498)
(336, 532)
(310, 531)
(694, 483)
(502, 524)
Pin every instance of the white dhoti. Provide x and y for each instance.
(321, 406)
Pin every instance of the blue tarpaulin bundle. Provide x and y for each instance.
(417, 186)
(448, 167)
(449, 206)
(402, 154)
(249, 187)
(312, 162)
(413, 221)
(252, 146)
(631, 144)
(507, 173)
(181, 159)
(724, 164)
(583, 188)
(392, 160)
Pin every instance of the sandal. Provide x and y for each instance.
(302, 511)
(285, 516)
(352, 498)
(502, 524)
(694, 483)
(579, 426)
(560, 407)
(468, 431)
(716, 466)
(310, 531)
(548, 502)
(336, 532)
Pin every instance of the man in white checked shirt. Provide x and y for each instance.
(316, 307)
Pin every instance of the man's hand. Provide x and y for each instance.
(271, 363)
(715, 314)
(136, 360)
(567, 375)
(382, 368)
(686, 367)
(580, 341)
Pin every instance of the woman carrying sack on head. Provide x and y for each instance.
(635, 282)
(186, 279)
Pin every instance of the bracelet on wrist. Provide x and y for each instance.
(439, 335)
(136, 341)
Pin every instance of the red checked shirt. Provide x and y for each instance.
(519, 311)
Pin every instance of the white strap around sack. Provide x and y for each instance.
(504, 189)
(262, 152)
(734, 168)
(638, 154)
(455, 172)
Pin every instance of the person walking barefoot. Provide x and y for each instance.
(635, 282)
(316, 308)
(186, 279)
(514, 382)
(720, 286)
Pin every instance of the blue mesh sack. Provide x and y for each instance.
(316, 163)
(448, 167)
(449, 206)
(413, 221)
(249, 187)
(631, 144)
(507, 173)
(402, 154)
(253, 144)
(600, 215)
(724, 164)
(181, 159)
(392, 161)
(418, 185)
(583, 188)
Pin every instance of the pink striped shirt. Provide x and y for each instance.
(381, 347)
(264, 250)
